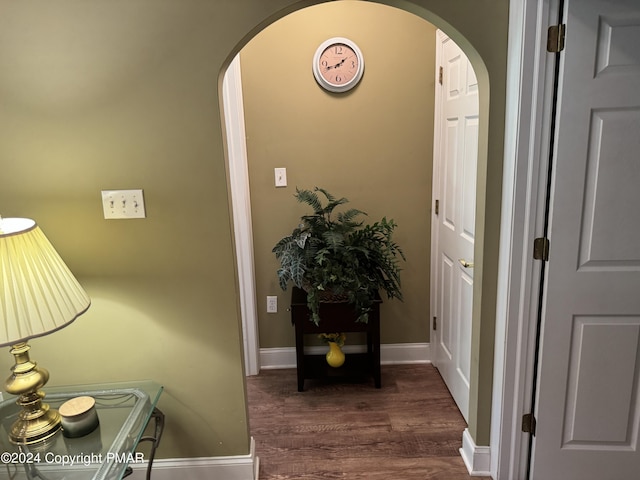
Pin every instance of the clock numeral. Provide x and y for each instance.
(339, 50)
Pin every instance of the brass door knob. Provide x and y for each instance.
(465, 264)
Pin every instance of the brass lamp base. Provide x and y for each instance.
(36, 421)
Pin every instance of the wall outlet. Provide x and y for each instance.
(272, 304)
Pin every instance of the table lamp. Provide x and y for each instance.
(38, 295)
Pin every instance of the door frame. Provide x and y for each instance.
(238, 172)
(528, 110)
(437, 107)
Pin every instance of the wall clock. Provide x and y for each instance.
(338, 64)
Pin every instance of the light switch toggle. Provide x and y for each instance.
(122, 204)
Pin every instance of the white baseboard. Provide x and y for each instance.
(237, 467)
(390, 354)
(477, 459)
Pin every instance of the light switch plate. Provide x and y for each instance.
(122, 204)
(281, 177)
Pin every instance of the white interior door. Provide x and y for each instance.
(453, 217)
(588, 403)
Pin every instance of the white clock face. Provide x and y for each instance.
(338, 65)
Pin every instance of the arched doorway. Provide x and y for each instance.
(484, 389)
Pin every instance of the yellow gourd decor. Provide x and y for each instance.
(335, 355)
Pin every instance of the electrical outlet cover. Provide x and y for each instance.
(272, 304)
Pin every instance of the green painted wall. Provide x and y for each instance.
(106, 95)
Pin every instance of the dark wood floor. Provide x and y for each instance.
(410, 429)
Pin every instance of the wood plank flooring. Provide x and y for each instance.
(410, 429)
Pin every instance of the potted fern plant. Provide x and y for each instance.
(334, 256)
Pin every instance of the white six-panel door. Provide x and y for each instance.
(454, 186)
(588, 402)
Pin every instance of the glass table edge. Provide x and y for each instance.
(143, 389)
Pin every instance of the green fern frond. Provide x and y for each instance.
(311, 199)
(330, 198)
(349, 216)
(333, 238)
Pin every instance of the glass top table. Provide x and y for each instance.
(124, 410)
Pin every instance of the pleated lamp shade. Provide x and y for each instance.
(38, 292)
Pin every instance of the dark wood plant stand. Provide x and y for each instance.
(336, 317)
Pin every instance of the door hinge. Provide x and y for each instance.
(440, 75)
(555, 38)
(435, 323)
(437, 207)
(529, 423)
(541, 249)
